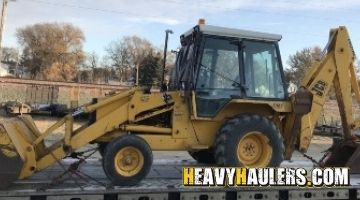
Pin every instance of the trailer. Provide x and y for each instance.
(163, 182)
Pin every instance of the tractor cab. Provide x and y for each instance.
(220, 64)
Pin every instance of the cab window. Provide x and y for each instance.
(262, 73)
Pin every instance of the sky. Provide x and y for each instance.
(302, 23)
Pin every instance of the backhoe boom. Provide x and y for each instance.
(334, 70)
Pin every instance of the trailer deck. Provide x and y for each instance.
(163, 182)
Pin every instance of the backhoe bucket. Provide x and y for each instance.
(344, 154)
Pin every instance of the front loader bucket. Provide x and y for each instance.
(344, 154)
(16, 153)
(10, 168)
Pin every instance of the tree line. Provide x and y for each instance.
(300, 62)
(54, 52)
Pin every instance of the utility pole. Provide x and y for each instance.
(2, 24)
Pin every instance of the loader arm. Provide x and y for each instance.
(334, 69)
(20, 140)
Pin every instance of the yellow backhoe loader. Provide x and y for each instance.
(226, 104)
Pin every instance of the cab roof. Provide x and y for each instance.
(231, 32)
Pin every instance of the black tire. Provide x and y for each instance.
(116, 146)
(205, 156)
(102, 147)
(237, 128)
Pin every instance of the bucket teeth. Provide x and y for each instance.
(10, 168)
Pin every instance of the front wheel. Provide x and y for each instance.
(127, 160)
(249, 140)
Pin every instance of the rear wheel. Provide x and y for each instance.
(249, 140)
(127, 160)
(205, 156)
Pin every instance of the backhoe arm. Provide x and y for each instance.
(334, 69)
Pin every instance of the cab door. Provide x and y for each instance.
(262, 70)
(218, 77)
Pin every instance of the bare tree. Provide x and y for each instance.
(139, 48)
(109, 70)
(84, 76)
(119, 57)
(92, 62)
(9, 54)
(128, 53)
(51, 50)
(300, 62)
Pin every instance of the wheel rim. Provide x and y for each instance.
(129, 161)
(254, 150)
